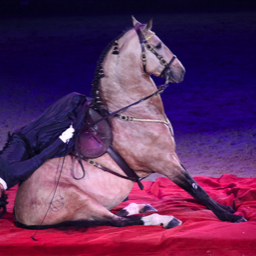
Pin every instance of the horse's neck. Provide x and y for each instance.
(123, 86)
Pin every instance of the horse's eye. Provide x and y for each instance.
(158, 46)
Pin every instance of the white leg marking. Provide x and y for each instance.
(194, 185)
(134, 208)
(158, 220)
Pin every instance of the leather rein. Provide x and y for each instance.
(131, 175)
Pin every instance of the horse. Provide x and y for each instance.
(70, 190)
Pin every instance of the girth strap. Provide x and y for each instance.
(123, 165)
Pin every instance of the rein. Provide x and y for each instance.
(160, 89)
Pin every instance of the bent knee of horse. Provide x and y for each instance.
(161, 220)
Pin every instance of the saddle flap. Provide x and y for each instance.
(94, 140)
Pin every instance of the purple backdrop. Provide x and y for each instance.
(213, 111)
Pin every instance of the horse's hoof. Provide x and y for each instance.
(148, 208)
(173, 223)
(241, 220)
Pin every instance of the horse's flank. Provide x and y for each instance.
(97, 190)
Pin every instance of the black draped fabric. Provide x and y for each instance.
(45, 129)
(29, 147)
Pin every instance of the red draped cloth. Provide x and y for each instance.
(200, 234)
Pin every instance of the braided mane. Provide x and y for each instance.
(99, 73)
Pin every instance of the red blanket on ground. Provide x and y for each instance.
(200, 234)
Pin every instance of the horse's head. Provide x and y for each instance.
(156, 57)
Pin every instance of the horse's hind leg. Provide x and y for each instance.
(185, 181)
(134, 208)
(86, 211)
(150, 220)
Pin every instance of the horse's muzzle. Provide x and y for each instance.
(174, 75)
(178, 77)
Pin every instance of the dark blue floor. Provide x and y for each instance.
(44, 58)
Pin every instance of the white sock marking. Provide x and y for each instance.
(157, 220)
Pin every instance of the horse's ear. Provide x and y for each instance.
(148, 26)
(135, 23)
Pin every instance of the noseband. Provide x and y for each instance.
(143, 42)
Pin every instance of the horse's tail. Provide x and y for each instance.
(66, 225)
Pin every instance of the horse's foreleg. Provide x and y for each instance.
(185, 181)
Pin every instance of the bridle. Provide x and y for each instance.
(166, 73)
(143, 42)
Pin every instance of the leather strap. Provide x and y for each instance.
(133, 178)
(143, 41)
(123, 165)
(166, 71)
(143, 52)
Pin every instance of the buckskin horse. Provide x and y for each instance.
(85, 187)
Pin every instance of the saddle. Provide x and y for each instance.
(95, 139)
(92, 139)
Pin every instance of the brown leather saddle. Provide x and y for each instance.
(95, 138)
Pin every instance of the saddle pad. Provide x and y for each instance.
(94, 140)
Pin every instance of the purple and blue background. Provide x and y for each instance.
(49, 48)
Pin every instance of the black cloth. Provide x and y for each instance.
(29, 147)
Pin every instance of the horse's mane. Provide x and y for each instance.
(98, 74)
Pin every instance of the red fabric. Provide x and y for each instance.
(200, 234)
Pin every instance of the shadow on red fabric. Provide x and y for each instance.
(200, 234)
